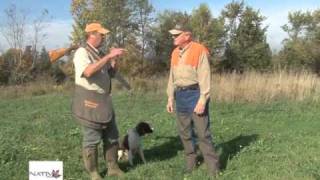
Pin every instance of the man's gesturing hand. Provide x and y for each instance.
(114, 52)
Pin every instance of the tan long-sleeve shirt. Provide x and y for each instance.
(184, 74)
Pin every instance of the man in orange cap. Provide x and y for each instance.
(189, 87)
(92, 106)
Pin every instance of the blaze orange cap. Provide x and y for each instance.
(96, 27)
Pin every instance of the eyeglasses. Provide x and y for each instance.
(175, 36)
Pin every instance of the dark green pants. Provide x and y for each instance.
(201, 126)
(92, 137)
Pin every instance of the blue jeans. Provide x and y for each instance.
(186, 101)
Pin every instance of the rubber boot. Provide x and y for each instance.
(111, 156)
(90, 158)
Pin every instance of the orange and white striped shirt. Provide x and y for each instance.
(190, 65)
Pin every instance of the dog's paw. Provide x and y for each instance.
(120, 154)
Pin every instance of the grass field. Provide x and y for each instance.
(275, 140)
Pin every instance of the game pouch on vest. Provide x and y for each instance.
(88, 105)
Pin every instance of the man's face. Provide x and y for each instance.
(98, 39)
(181, 39)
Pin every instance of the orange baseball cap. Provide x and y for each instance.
(96, 27)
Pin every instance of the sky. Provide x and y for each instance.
(60, 23)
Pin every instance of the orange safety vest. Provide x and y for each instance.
(194, 52)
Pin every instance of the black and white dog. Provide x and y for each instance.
(132, 142)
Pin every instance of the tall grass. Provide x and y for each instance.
(253, 86)
(257, 87)
(40, 87)
(232, 87)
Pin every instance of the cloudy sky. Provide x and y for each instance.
(60, 25)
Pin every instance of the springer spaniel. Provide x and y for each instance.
(132, 142)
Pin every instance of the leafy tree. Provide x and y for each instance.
(14, 31)
(38, 26)
(232, 14)
(10, 65)
(246, 46)
(21, 61)
(163, 45)
(208, 30)
(57, 74)
(81, 15)
(43, 62)
(141, 17)
(4, 71)
(113, 14)
(129, 21)
(301, 48)
(251, 37)
(299, 23)
(142, 20)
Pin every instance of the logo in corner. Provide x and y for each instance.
(55, 174)
(45, 170)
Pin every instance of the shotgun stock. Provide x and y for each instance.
(56, 54)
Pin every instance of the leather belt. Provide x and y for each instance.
(190, 87)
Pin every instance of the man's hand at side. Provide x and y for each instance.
(170, 106)
(199, 109)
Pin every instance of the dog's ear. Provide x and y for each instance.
(148, 129)
(143, 128)
(140, 129)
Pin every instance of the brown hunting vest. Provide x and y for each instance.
(90, 108)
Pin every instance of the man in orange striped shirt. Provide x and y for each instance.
(189, 87)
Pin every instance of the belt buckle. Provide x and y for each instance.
(183, 88)
(180, 88)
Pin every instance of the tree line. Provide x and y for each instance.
(236, 39)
